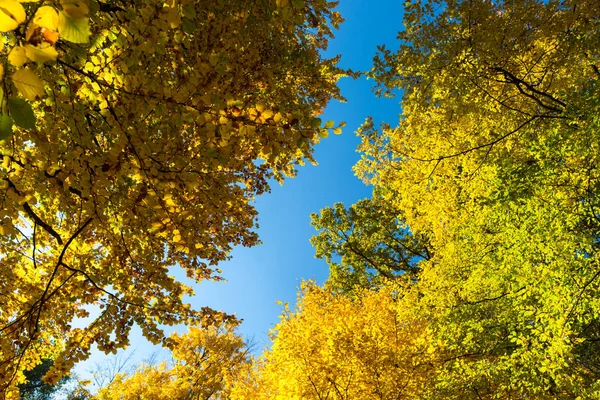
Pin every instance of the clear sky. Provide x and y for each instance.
(258, 277)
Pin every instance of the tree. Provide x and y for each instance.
(494, 161)
(366, 244)
(35, 388)
(336, 347)
(135, 137)
(206, 362)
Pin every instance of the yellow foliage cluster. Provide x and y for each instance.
(134, 137)
(336, 347)
(471, 273)
(206, 361)
(485, 201)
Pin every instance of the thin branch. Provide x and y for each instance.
(519, 83)
(588, 283)
(493, 298)
(36, 219)
(58, 264)
(34, 246)
(359, 253)
(482, 146)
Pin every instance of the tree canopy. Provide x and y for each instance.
(134, 138)
(493, 169)
(206, 362)
(472, 272)
(336, 347)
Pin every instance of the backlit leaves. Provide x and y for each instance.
(73, 29)
(349, 347)
(206, 362)
(151, 139)
(493, 169)
(28, 84)
(12, 14)
(69, 22)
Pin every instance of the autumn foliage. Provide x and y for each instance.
(492, 171)
(335, 347)
(135, 137)
(206, 361)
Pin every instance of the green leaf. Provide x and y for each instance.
(315, 123)
(21, 113)
(189, 11)
(5, 127)
(188, 25)
(329, 124)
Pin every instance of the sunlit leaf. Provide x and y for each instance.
(76, 30)
(46, 17)
(75, 8)
(41, 54)
(17, 56)
(12, 14)
(28, 84)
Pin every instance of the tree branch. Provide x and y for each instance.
(36, 219)
(519, 83)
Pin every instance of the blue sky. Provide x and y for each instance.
(258, 277)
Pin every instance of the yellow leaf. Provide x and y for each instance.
(17, 56)
(12, 14)
(1, 72)
(76, 9)
(76, 30)
(173, 18)
(46, 17)
(39, 54)
(28, 84)
(82, 7)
